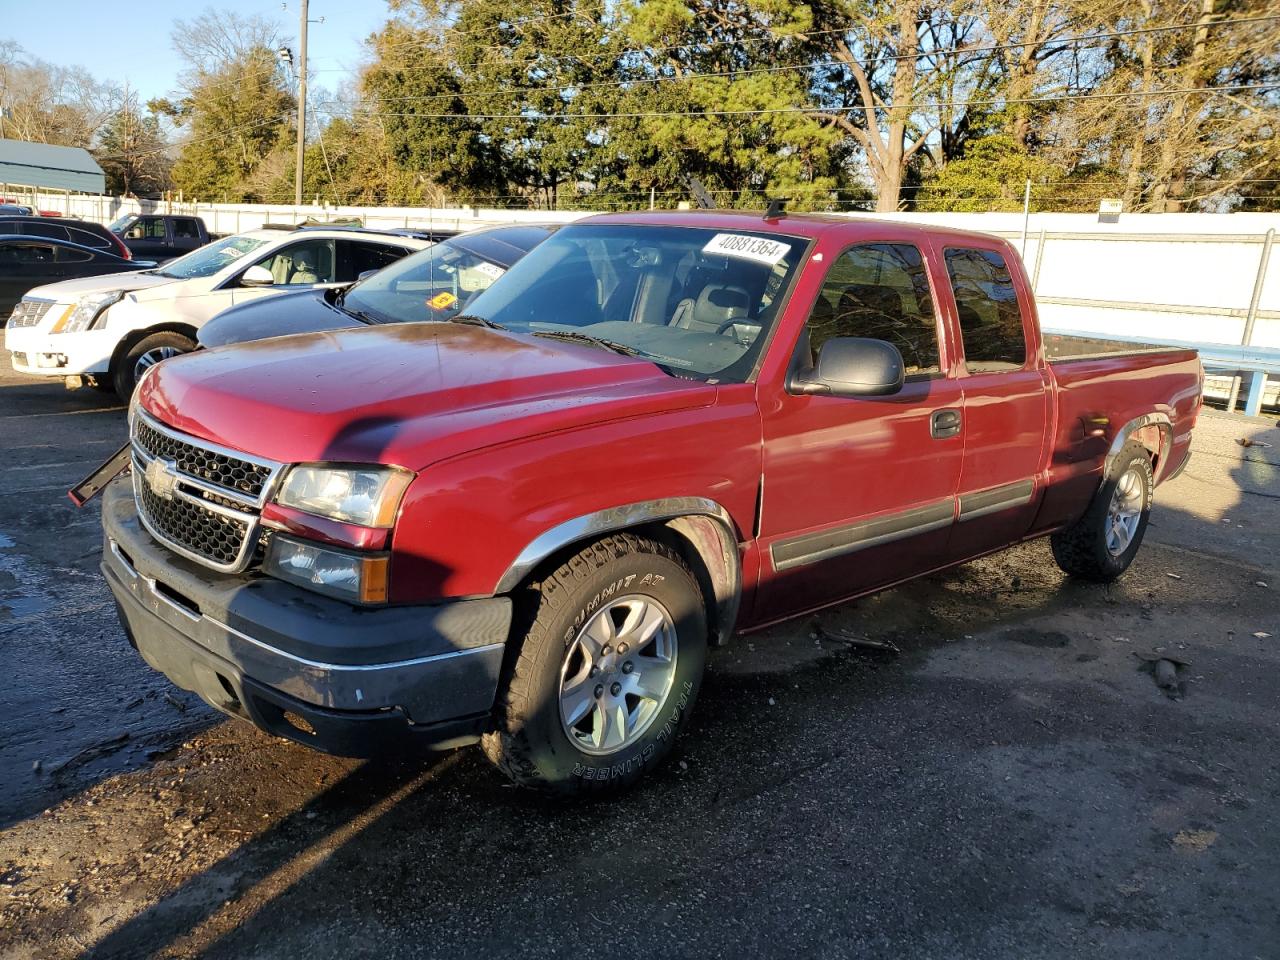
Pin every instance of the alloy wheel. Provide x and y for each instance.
(1125, 511)
(617, 674)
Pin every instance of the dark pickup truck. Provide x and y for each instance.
(526, 525)
(161, 237)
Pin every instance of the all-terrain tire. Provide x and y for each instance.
(529, 742)
(124, 374)
(1081, 549)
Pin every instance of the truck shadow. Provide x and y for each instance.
(434, 844)
(438, 844)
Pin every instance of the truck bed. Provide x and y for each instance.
(1063, 348)
(1101, 392)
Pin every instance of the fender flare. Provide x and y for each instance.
(703, 523)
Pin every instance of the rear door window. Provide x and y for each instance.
(361, 256)
(880, 291)
(46, 230)
(19, 252)
(185, 229)
(987, 309)
(89, 239)
(72, 255)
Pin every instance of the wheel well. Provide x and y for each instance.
(1152, 438)
(703, 543)
(1153, 431)
(134, 336)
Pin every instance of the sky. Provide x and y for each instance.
(129, 41)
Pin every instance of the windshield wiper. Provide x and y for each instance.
(574, 336)
(472, 320)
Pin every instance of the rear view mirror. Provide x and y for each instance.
(852, 367)
(257, 276)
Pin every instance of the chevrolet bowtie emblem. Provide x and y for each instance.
(162, 478)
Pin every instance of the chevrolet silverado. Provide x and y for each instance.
(525, 526)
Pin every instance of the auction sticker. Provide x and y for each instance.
(759, 249)
(442, 301)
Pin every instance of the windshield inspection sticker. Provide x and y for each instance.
(743, 247)
(490, 270)
(442, 301)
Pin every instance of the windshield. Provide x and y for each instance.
(699, 302)
(434, 284)
(208, 260)
(121, 225)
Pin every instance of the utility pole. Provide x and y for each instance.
(302, 102)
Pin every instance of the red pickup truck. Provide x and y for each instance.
(526, 525)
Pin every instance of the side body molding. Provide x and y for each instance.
(1143, 429)
(702, 522)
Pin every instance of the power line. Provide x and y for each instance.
(224, 135)
(924, 54)
(1067, 42)
(642, 196)
(1077, 40)
(818, 111)
(230, 81)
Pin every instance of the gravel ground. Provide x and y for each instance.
(1014, 784)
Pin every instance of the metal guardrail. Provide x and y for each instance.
(1235, 313)
(1256, 363)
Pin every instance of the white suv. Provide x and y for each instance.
(106, 331)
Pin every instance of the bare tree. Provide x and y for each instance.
(873, 86)
(46, 103)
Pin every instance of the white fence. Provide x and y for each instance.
(1175, 276)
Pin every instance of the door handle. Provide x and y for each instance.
(945, 423)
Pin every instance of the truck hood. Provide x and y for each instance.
(69, 291)
(404, 394)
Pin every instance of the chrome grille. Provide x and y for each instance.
(202, 463)
(212, 535)
(206, 499)
(28, 313)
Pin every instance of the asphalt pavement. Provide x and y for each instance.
(1013, 784)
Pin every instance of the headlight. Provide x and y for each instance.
(369, 496)
(85, 314)
(355, 577)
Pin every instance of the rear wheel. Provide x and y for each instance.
(606, 673)
(1101, 544)
(143, 355)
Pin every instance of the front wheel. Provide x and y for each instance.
(1101, 544)
(607, 672)
(143, 355)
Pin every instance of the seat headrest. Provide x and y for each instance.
(719, 302)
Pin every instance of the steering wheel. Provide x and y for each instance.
(730, 324)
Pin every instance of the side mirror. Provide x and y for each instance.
(852, 367)
(257, 276)
(365, 275)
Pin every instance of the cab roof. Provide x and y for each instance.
(809, 225)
